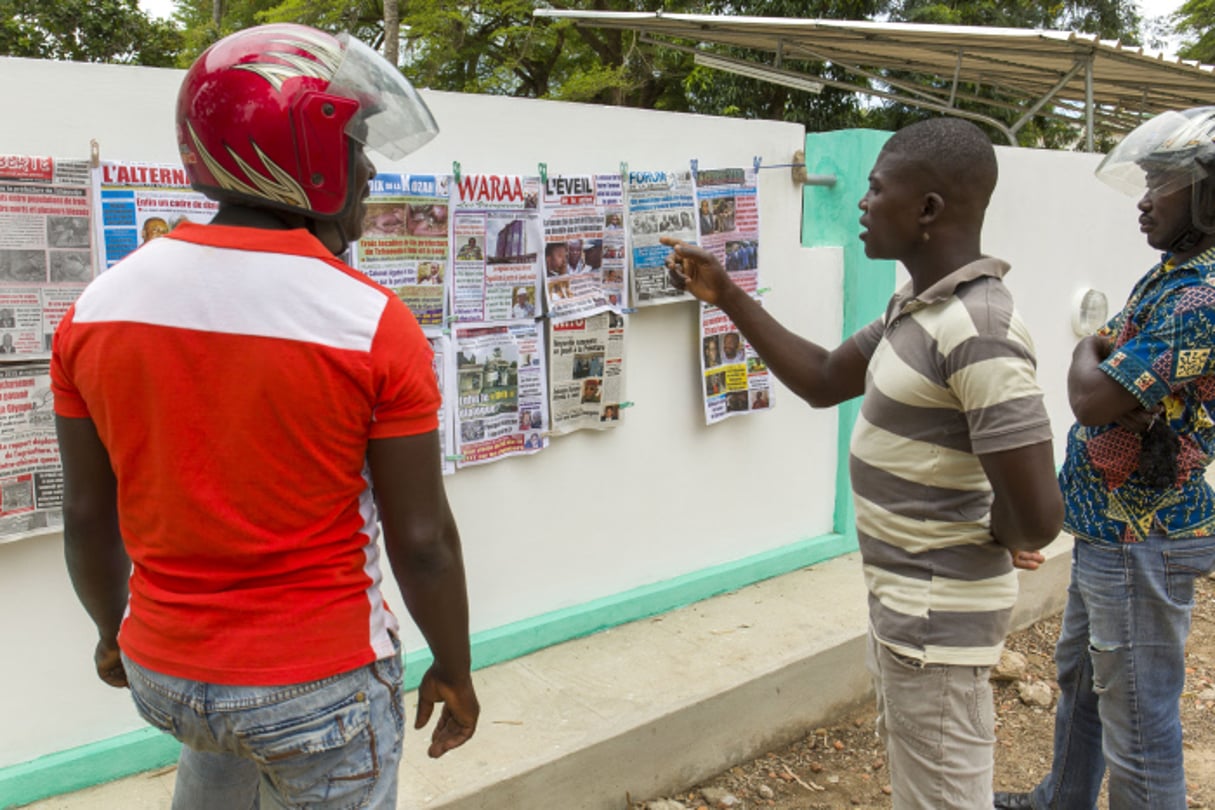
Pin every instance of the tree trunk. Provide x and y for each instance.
(217, 14)
(392, 31)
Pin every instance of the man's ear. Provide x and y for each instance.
(1203, 205)
(931, 207)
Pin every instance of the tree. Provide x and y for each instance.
(1195, 21)
(87, 31)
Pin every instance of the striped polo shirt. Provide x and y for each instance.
(951, 376)
(235, 376)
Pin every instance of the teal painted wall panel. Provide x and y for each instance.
(830, 218)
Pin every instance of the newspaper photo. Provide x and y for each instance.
(727, 203)
(502, 407)
(497, 241)
(141, 201)
(444, 373)
(584, 246)
(405, 243)
(586, 372)
(659, 204)
(31, 476)
(736, 380)
(46, 257)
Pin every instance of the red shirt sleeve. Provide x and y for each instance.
(407, 394)
(68, 401)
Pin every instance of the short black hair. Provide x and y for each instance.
(951, 151)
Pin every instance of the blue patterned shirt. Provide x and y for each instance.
(1164, 354)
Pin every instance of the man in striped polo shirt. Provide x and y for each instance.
(952, 464)
(226, 399)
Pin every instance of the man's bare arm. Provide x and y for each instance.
(96, 559)
(1027, 512)
(424, 551)
(817, 375)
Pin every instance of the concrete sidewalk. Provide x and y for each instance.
(649, 708)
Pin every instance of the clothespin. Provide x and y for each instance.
(762, 290)
(627, 404)
(695, 168)
(628, 310)
(94, 153)
(455, 170)
(543, 167)
(455, 457)
(756, 162)
(624, 172)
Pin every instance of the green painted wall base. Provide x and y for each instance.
(147, 749)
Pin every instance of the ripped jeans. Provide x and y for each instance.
(1121, 669)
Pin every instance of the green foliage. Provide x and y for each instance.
(1195, 21)
(87, 31)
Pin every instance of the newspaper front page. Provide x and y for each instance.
(444, 374)
(497, 239)
(584, 246)
(31, 476)
(502, 407)
(586, 367)
(736, 379)
(405, 243)
(46, 255)
(141, 201)
(659, 204)
(727, 203)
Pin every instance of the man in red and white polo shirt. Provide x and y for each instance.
(238, 412)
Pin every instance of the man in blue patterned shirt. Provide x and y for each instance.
(1137, 501)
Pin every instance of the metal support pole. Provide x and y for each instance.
(1089, 136)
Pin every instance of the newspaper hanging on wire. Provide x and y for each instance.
(405, 243)
(659, 204)
(443, 368)
(586, 368)
(497, 240)
(31, 476)
(736, 380)
(584, 260)
(137, 202)
(502, 407)
(727, 204)
(45, 249)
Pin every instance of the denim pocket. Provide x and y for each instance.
(317, 756)
(1181, 567)
(153, 714)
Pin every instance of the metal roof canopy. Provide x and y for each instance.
(1064, 75)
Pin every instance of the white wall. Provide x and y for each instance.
(592, 516)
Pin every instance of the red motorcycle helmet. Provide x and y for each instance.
(273, 116)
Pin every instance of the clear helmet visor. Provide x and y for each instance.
(392, 118)
(1163, 155)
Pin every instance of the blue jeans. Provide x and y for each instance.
(332, 744)
(1121, 669)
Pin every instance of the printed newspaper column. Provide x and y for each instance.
(586, 372)
(584, 264)
(406, 245)
(736, 379)
(31, 476)
(497, 237)
(727, 203)
(46, 258)
(502, 409)
(444, 373)
(659, 204)
(141, 201)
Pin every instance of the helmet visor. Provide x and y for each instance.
(1161, 155)
(392, 118)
